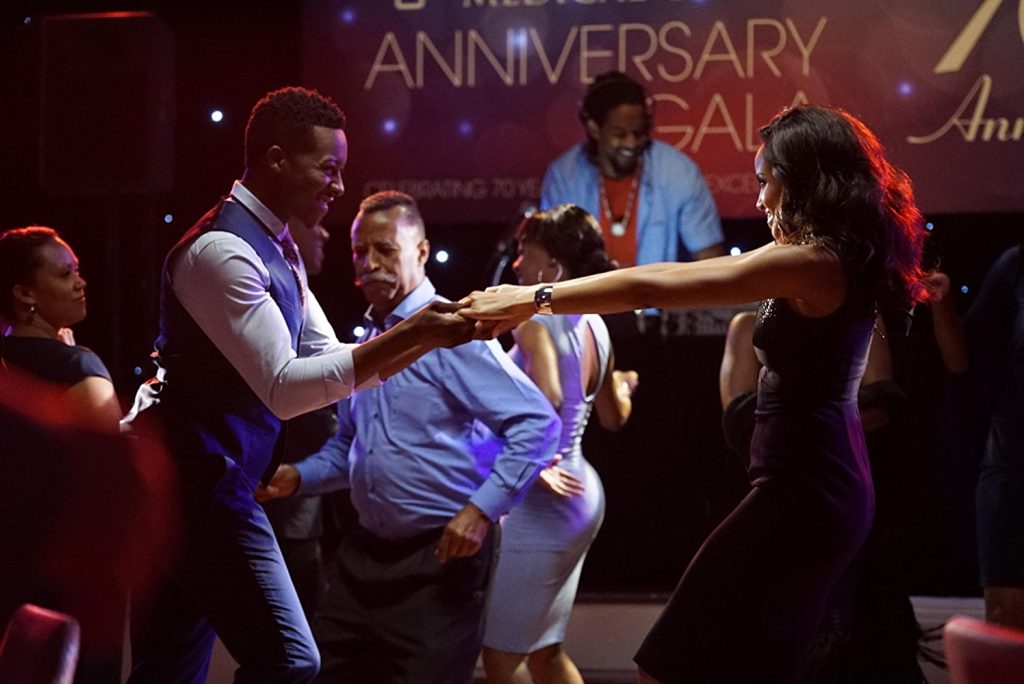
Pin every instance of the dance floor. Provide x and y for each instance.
(604, 654)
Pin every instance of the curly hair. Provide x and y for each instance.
(838, 190)
(608, 91)
(286, 117)
(20, 257)
(571, 235)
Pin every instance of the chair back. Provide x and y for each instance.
(979, 652)
(40, 646)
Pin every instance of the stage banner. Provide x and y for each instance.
(463, 103)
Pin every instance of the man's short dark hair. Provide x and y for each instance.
(388, 199)
(286, 117)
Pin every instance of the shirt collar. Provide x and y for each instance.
(244, 196)
(422, 294)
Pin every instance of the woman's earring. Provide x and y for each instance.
(32, 309)
(558, 276)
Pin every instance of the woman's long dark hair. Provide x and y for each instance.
(571, 235)
(839, 190)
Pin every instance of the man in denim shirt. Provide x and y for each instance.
(433, 458)
(651, 200)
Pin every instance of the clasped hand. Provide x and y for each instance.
(498, 309)
(480, 315)
(440, 324)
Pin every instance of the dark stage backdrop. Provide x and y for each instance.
(463, 103)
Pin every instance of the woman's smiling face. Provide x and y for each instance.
(769, 199)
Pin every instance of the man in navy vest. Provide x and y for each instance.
(244, 344)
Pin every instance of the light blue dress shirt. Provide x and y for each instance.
(458, 426)
(675, 207)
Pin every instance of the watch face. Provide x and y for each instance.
(542, 299)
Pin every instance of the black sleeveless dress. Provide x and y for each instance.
(748, 605)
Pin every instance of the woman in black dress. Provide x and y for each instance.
(42, 294)
(847, 241)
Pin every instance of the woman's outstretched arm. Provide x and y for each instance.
(810, 274)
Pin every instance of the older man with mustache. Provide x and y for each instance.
(433, 458)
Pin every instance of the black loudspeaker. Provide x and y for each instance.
(107, 104)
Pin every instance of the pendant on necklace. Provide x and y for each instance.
(618, 228)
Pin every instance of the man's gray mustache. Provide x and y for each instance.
(388, 278)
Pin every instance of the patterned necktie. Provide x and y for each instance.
(291, 255)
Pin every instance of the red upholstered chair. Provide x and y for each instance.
(979, 652)
(40, 647)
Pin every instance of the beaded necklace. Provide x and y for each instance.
(618, 228)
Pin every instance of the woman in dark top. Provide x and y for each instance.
(995, 326)
(847, 240)
(42, 294)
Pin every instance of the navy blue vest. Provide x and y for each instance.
(216, 425)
